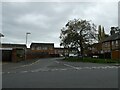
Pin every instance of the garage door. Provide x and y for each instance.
(7, 55)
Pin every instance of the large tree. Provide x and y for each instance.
(78, 34)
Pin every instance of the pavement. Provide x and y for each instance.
(56, 73)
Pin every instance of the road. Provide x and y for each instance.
(56, 73)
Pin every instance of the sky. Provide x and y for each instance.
(44, 20)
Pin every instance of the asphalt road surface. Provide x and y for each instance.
(56, 73)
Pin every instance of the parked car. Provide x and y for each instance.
(95, 56)
(73, 55)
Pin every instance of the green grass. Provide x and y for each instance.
(92, 60)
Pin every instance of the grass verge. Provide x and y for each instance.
(92, 60)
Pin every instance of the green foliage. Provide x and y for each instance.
(92, 60)
(78, 33)
(101, 33)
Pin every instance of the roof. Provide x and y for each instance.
(6, 48)
(113, 37)
(7, 45)
(41, 44)
(65, 48)
(60, 48)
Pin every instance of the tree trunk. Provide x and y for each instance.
(82, 51)
(81, 47)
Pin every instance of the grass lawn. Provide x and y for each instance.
(92, 60)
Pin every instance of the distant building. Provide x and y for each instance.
(40, 50)
(61, 51)
(43, 47)
(65, 51)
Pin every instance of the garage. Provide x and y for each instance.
(6, 54)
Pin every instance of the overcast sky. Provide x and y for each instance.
(44, 20)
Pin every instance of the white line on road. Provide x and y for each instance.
(57, 62)
(63, 69)
(23, 71)
(71, 66)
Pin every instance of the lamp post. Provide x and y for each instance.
(1, 35)
(27, 33)
(27, 36)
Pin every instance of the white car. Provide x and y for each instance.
(73, 55)
(95, 56)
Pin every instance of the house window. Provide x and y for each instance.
(105, 44)
(108, 44)
(32, 48)
(37, 48)
(116, 43)
(112, 43)
(45, 48)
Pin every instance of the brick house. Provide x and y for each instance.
(111, 46)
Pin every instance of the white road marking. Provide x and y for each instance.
(8, 72)
(71, 66)
(87, 67)
(63, 69)
(23, 71)
(0, 72)
(57, 62)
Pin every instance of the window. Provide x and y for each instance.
(44, 48)
(37, 48)
(105, 44)
(32, 48)
(116, 43)
(112, 43)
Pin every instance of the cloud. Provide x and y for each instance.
(60, 1)
(45, 19)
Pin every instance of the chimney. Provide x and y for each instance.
(112, 30)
